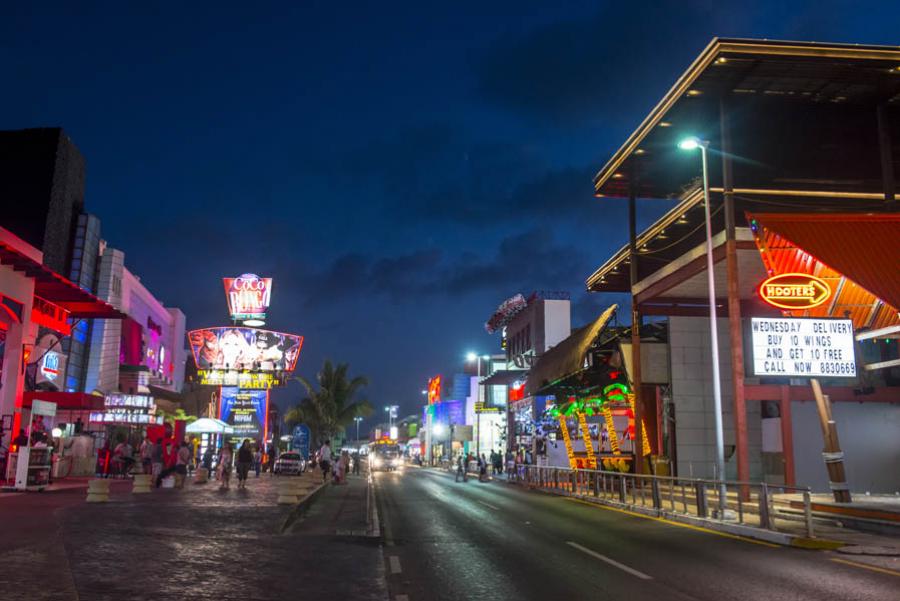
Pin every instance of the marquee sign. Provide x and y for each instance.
(244, 349)
(120, 408)
(802, 347)
(248, 296)
(794, 291)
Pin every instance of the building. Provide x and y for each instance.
(36, 309)
(803, 142)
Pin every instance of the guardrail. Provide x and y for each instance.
(746, 503)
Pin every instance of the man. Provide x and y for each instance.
(461, 468)
(123, 455)
(182, 459)
(146, 453)
(325, 459)
(157, 457)
(355, 457)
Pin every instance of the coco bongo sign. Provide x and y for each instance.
(794, 291)
(248, 296)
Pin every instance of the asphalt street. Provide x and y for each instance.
(447, 540)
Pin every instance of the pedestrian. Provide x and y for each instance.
(244, 459)
(355, 458)
(123, 456)
(510, 463)
(325, 460)
(257, 460)
(225, 457)
(157, 458)
(146, 454)
(182, 459)
(461, 468)
(340, 467)
(208, 456)
(482, 468)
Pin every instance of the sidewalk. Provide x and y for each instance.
(196, 543)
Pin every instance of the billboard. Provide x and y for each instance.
(248, 296)
(247, 349)
(802, 347)
(245, 410)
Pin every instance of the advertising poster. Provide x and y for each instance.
(238, 348)
(300, 441)
(245, 410)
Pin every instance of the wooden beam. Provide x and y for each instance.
(832, 454)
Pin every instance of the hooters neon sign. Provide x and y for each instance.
(792, 291)
(248, 296)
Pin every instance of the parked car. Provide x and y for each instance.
(290, 462)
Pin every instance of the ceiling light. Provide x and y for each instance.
(665, 124)
(640, 151)
(617, 175)
(694, 92)
(254, 323)
(721, 60)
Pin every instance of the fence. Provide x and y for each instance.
(747, 503)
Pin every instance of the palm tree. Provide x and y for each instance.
(331, 406)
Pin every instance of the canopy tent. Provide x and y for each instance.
(209, 425)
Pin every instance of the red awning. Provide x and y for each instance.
(53, 287)
(65, 400)
(865, 248)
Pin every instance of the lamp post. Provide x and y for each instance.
(357, 419)
(692, 144)
(391, 411)
(477, 358)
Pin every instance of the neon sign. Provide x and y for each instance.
(248, 296)
(50, 365)
(794, 291)
(434, 390)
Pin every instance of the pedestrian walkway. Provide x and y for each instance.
(340, 510)
(197, 543)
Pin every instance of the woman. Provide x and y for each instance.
(225, 458)
(244, 460)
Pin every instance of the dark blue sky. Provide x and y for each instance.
(398, 168)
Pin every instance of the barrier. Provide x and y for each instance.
(141, 484)
(98, 491)
(746, 503)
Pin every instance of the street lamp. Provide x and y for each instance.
(392, 413)
(693, 143)
(470, 356)
(357, 419)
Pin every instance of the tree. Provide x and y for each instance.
(331, 404)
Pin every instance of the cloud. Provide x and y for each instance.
(529, 260)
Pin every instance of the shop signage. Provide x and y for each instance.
(250, 380)
(127, 409)
(50, 365)
(248, 296)
(794, 291)
(802, 347)
(434, 390)
(46, 314)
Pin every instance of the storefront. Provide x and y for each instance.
(802, 145)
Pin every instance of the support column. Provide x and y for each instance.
(787, 436)
(736, 337)
(887, 162)
(635, 331)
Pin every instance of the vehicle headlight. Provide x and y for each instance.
(376, 462)
(396, 462)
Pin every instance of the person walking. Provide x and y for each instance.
(145, 451)
(325, 460)
(257, 460)
(461, 468)
(156, 458)
(355, 458)
(482, 468)
(182, 459)
(244, 459)
(226, 456)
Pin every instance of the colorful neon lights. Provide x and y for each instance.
(588, 445)
(794, 291)
(248, 296)
(565, 434)
(434, 390)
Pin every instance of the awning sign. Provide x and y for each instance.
(794, 291)
(802, 347)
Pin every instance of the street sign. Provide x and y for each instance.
(794, 291)
(802, 347)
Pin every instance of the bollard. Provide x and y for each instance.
(98, 491)
(700, 490)
(140, 484)
(288, 491)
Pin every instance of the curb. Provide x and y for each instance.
(373, 523)
(819, 544)
(301, 507)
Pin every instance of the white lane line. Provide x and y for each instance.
(395, 564)
(611, 562)
(494, 507)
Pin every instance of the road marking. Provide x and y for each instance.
(611, 562)
(679, 524)
(395, 564)
(867, 567)
(494, 507)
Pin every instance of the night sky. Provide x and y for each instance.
(398, 168)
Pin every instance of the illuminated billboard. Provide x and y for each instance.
(245, 410)
(244, 349)
(434, 390)
(802, 347)
(248, 296)
(248, 380)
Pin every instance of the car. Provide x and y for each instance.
(290, 462)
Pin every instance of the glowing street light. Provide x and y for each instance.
(357, 419)
(694, 143)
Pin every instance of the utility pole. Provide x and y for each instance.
(834, 457)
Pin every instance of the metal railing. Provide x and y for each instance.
(747, 503)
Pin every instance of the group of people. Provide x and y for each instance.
(336, 469)
(462, 466)
(498, 462)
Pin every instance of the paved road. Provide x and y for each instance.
(495, 541)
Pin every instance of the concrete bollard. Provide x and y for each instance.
(201, 475)
(289, 490)
(98, 491)
(141, 483)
